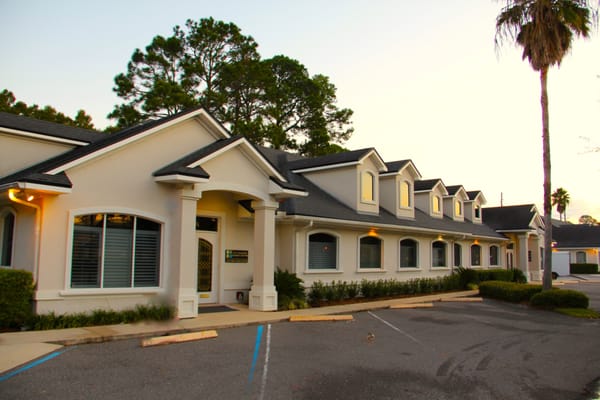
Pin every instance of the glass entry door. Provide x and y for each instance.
(207, 261)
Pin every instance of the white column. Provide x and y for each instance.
(263, 296)
(523, 260)
(185, 249)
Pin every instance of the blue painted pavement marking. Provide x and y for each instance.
(259, 333)
(32, 364)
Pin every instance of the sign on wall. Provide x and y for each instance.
(236, 256)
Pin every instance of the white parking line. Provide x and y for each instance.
(414, 339)
(263, 382)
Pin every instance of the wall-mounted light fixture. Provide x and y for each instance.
(372, 232)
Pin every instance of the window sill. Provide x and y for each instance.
(322, 271)
(440, 268)
(371, 270)
(111, 291)
(411, 269)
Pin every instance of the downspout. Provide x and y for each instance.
(12, 195)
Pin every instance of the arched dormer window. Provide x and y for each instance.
(458, 208)
(405, 197)
(7, 235)
(322, 251)
(368, 187)
(436, 204)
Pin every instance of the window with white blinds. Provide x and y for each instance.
(115, 251)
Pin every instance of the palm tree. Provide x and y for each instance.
(561, 199)
(545, 30)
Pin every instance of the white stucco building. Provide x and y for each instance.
(179, 211)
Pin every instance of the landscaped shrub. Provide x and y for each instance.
(316, 294)
(559, 298)
(583, 268)
(475, 276)
(16, 295)
(101, 317)
(383, 288)
(290, 290)
(508, 291)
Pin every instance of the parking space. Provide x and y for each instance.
(487, 350)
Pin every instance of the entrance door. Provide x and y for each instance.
(207, 267)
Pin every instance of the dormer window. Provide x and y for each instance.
(478, 211)
(458, 208)
(436, 206)
(405, 201)
(368, 187)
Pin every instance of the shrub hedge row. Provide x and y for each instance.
(583, 268)
(16, 296)
(341, 290)
(508, 291)
(475, 276)
(560, 298)
(101, 317)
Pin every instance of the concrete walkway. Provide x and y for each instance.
(19, 348)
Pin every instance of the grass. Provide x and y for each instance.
(579, 312)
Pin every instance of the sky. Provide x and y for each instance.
(424, 79)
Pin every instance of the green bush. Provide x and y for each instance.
(559, 298)
(316, 294)
(583, 268)
(368, 289)
(16, 296)
(290, 290)
(101, 317)
(508, 291)
(469, 276)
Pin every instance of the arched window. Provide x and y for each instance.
(494, 256)
(438, 254)
(322, 251)
(405, 201)
(7, 234)
(409, 253)
(436, 204)
(115, 251)
(476, 255)
(458, 208)
(370, 252)
(580, 257)
(457, 255)
(368, 186)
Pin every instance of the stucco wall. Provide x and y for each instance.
(119, 181)
(18, 152)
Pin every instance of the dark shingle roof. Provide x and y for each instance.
(330, 159)
(107, 140)
(473, 194)
(576, 236)
(26, 124)
(181, 166)
(427, 184)
(509, 217)
(453, 189)
(396, 166)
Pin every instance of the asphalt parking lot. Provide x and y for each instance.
(488, 350)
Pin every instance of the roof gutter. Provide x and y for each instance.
(359, 224)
